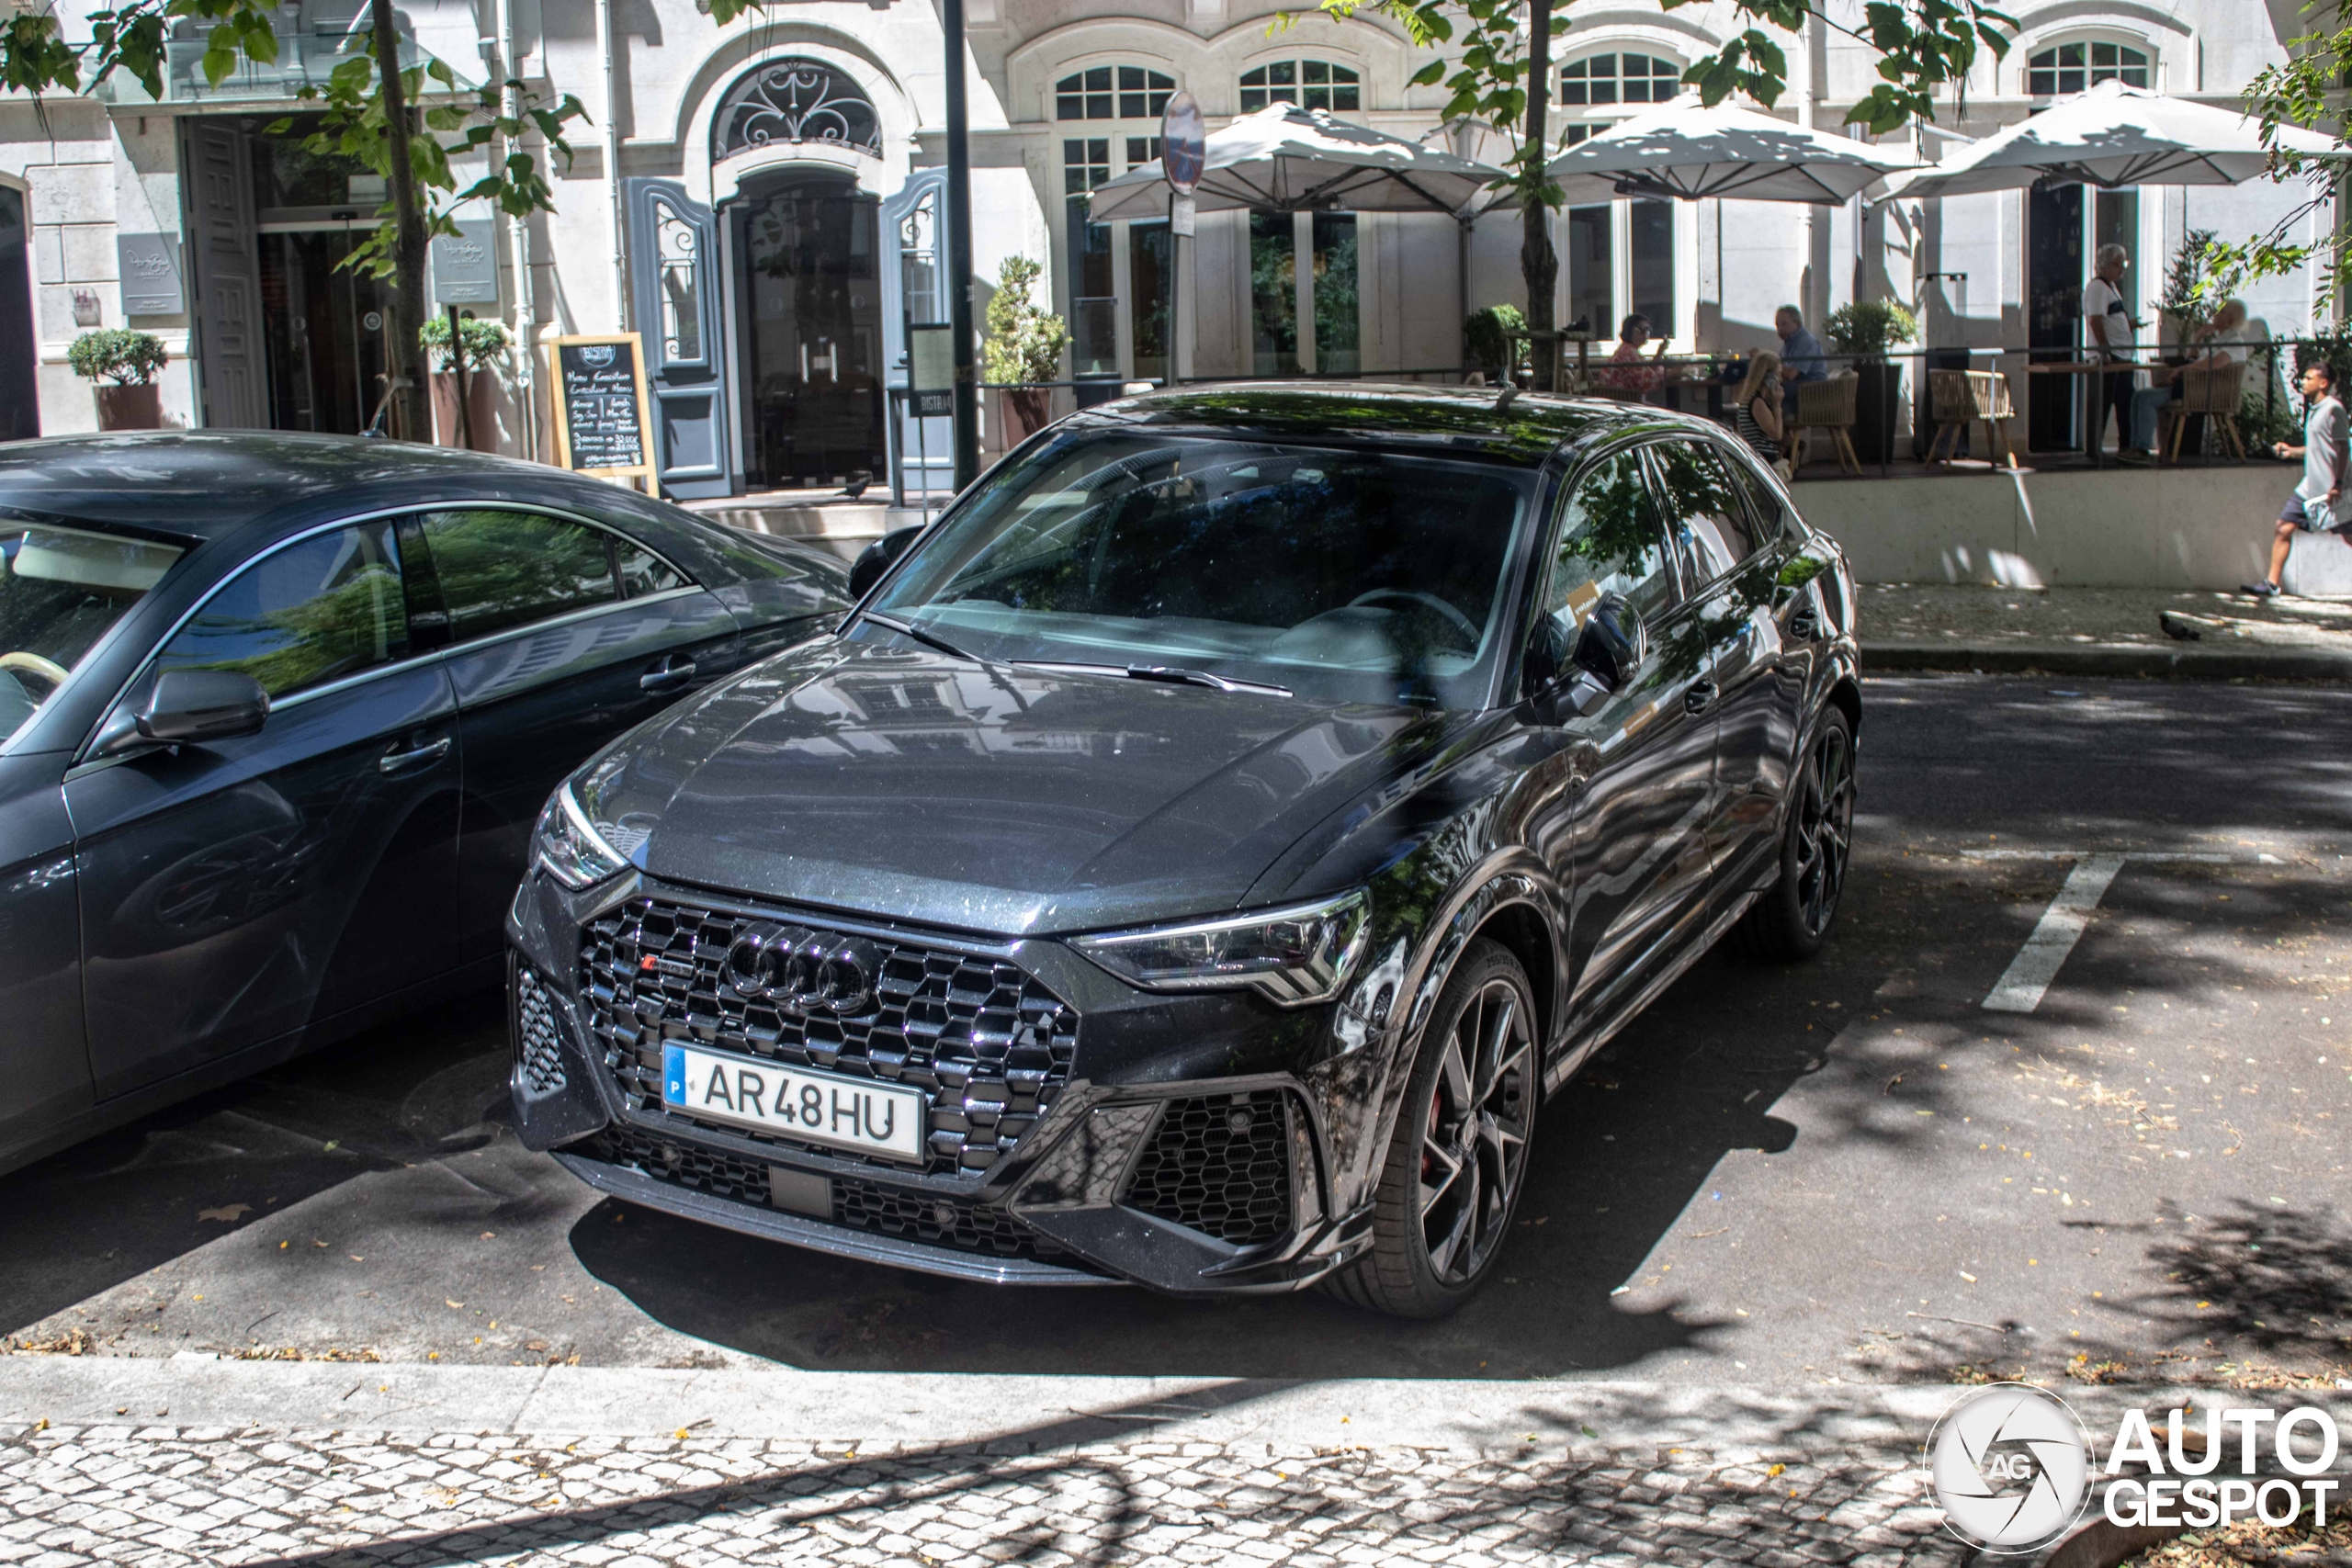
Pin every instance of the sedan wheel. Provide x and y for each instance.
(1458, 1158)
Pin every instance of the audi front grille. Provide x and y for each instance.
(985, 1041)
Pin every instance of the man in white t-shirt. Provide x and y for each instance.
(2311, 509)
(2113, 335)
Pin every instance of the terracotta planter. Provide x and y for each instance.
(481, 394)
(1028, 410)
(131, 408)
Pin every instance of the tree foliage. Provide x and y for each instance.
(2306, 94)
(1024, 344)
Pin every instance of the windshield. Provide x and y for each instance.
(1342, 575)
(59, 589)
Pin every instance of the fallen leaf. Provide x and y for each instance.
(334, 1144)
(1776, 1469)
(1590, 1432)
(454, 1306)
(228, 1213)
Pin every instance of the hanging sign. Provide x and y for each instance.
(930, 368)
(603, 419)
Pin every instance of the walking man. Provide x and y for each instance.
(2311, 509)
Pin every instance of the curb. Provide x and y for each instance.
(2127, 661)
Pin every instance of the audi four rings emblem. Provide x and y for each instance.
(805, 971)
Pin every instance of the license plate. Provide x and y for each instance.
(820, 1108)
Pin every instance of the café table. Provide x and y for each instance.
(2095, 417)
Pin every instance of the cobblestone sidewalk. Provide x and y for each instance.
(167, 1496)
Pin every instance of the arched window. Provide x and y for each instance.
(1605, 79)
(794, 99)
(2068, 68)
(1112, 92)
(1310, 84)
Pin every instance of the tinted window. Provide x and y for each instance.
(505, 569)
(1612, 542)
(1709, 518)
(642, 572)
(1773, 520)
(327, 607)
(61, 589)
(1367, 574)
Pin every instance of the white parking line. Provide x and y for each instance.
(2037, 964)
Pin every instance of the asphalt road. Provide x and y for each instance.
(1844, 1170)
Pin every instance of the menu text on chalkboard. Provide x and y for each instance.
(604, 421)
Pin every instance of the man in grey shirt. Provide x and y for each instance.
(2311, 509)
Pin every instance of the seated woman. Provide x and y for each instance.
(2220, 342)
(1626, 372)
(1756, 409)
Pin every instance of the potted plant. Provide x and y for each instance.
(126, 362)
(1868, 329)
(2187, 304)
(1023, 349)
(481, 344)
(1488, 343)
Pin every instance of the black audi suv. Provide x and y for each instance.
(278, 713)
(1198, 855)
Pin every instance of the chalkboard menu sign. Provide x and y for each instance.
(603, 421)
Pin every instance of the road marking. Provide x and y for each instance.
(2037, 964)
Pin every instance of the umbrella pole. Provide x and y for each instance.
(1463, 223)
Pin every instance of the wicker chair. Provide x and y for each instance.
(2216, 395)
(1827, 405)
(1961, 398)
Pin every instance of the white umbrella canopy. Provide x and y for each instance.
(1687, 150)
(2114, 136)
(1287, 159)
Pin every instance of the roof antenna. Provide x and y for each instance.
(1502, 403)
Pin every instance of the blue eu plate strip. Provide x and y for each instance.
(674, 1074)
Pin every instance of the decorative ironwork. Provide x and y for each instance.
(794, 99)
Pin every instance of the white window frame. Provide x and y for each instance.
(2087, 37)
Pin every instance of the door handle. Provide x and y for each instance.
(1699, 697)
(393, 761)
(672, 671)
(1801, 626)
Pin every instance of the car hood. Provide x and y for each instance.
(907, 784)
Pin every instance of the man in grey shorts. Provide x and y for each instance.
(2311, 509)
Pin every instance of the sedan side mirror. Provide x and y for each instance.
(197, 706)
(1613, 642)
(880, 557)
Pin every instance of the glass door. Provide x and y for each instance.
(812, 337)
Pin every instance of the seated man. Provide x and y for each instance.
(1626, 372)
(2218, 342)
(1801, 357)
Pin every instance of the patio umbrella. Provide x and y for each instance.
(1287, 159)
(2114, 136)
(1687, 150)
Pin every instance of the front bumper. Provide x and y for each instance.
(1133, 1165)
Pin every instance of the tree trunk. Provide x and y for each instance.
(412, 406)
(1538, 263)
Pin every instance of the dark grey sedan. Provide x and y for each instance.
(276, 714)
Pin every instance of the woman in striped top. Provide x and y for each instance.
(1756, 413)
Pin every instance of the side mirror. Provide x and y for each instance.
(880, 557)
(1549, 647)
(197, 706)
(1613, 643)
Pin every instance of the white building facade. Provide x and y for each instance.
(760, 202)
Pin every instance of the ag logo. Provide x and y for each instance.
(2011, 1466)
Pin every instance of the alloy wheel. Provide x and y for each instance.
(1473, 1147)
(1825, 828)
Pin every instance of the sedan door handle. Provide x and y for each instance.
(393, 761)
(1699, 697)
(1801, 626)
(672, 671)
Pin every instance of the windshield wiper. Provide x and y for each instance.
(1168, 674)
(930, 639)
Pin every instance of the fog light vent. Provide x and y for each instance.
(1218, 1164)
(537, 1052)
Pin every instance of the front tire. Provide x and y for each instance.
(1792, 921)
(1457, 1160)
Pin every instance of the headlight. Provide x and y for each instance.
(573, 850)
(1295, 955)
